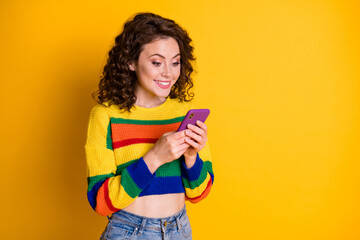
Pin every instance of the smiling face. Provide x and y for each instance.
(157, 70)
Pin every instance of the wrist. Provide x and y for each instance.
(152, 161)
(190, 160)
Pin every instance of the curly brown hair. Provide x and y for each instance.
(118, 83)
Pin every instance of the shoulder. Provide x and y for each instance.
(100, 114)
(104, 110)
(99, 109)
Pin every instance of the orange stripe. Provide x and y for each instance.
(122, 131)
(101, 205)
(203, 195)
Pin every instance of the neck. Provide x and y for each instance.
(146, 100)
(149, 103)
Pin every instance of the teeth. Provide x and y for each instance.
(163, 83)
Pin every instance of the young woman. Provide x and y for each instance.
(140, 169)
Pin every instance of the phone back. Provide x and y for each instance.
(192, 116)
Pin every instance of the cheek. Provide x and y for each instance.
(148, 72)
(153, 73)
(177, 72)
(173, 82)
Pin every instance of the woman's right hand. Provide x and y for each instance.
(168, 147)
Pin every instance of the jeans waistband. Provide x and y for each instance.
(141, 223)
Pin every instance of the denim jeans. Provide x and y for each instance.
(126, 225)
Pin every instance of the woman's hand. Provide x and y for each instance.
(196, 138)
(168, 147)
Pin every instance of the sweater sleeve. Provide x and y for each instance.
(109, 189)
(198, 179)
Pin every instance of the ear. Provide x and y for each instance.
(131, 66)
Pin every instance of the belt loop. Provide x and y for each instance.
(142, 226)
(178, 223)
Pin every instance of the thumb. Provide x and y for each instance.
(166, 134)
(169, 133)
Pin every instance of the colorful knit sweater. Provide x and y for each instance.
(116, 143)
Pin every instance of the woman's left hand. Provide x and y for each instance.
(196, 138)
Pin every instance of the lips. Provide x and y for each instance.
(163, 84)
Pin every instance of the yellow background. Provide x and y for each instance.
(281, 79)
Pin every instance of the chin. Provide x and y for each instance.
(163, 94)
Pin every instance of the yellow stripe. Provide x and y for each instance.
(118, 196)
(99, 161)
(131, 152)
(193, 193)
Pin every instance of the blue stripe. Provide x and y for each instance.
(193, 173)
(140, 173)
(164, 185)
(91, 195)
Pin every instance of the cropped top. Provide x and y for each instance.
(115, 145)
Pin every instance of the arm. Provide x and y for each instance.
(197, 172)
(110, 190)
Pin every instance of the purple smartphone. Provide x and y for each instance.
(192, 116)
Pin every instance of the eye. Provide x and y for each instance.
(176, 63)
(156, 63)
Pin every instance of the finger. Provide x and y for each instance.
(202, 125)
(197, 129)
(180, 141)
(180, 134)
(194, 136)
(194, 144)
(183, 149)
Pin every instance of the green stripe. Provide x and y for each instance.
(166, 170)
(129, 185)
(121, 167)
(169, 169)
(108, 138)
(203, 174)
(146, 122)
(208, 166)
(95, 179)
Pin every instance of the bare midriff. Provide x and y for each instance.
(157, 206)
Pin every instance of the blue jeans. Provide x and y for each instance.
(126, 225)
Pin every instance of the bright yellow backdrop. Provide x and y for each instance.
(282, 80)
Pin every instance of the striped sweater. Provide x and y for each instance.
(115, 145)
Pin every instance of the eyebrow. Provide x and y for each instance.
(162, 55)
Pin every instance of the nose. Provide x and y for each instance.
(166, 71)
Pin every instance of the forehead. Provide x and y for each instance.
(167, 47)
